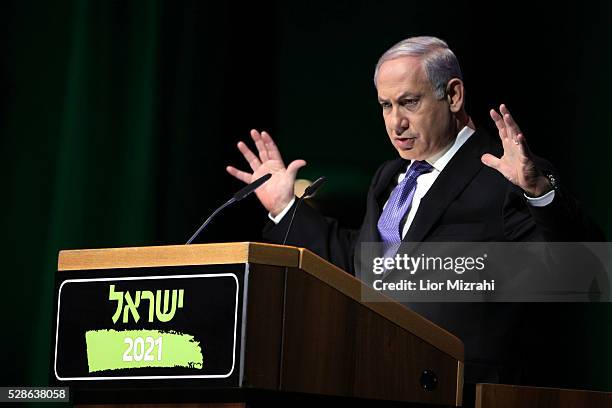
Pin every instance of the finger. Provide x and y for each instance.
(249, 156)
(239, 174)
(499, 123)
(294, 166)
(491, 161)
(511, 125)
(261, 146)
(522, 146)
(273, 152)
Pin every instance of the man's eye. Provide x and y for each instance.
(385, 105)
(410, 102)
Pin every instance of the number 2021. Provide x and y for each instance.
(136, 349)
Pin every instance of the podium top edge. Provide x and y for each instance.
(178, 255)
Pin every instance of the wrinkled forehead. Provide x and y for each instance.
(400, 75)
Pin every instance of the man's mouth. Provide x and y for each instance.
(405, 142)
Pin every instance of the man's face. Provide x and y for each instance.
(418, 124)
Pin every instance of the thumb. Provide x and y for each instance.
(491, 161)
(294, 166)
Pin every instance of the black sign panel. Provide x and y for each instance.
(153, 323)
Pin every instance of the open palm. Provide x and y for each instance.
(277, 192)
(516, 164)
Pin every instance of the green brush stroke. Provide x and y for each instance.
(105, 349)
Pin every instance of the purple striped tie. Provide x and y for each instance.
(399, 203)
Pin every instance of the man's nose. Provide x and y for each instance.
(400, 124)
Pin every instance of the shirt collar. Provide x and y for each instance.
(441, 159)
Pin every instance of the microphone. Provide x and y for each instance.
(242, 193)
(308, 192)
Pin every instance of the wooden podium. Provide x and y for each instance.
(276, 324)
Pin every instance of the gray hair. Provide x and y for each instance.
(440, 63)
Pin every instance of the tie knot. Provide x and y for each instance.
(420, 167)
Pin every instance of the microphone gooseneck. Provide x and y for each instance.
(240, 194)
(308, 192)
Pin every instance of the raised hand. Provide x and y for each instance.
(516, 164)
(277, 192)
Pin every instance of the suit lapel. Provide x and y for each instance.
(452, 180)
(388, 180)
(378, 197)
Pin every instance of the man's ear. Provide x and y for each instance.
(455, 94)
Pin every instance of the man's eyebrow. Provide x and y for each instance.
(402, 96)
(409, 94)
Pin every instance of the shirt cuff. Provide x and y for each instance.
(280, 215)
(541, 201)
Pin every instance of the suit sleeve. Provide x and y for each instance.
(321, 235)
(563, 220)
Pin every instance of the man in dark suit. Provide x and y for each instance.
(477, 189)
(451, 182)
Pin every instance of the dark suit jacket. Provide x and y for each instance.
(468, 202)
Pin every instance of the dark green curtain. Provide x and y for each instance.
(114, 123)
(593, 145)
(81, 149)
(118, 118)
